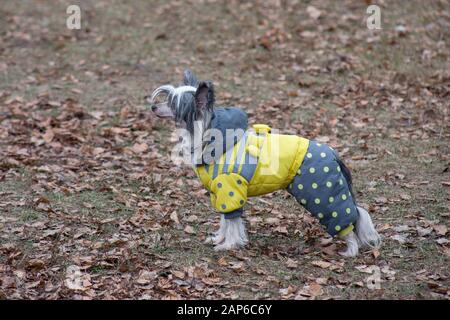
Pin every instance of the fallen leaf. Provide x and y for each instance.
(423, 231)
(281, 229)
(401, 228)
(48, 135)
(287, 291)
(35, 264)
(237, 266)
(440, 229)
(139, 147)
(292, 264)
(174, 217)
(375, 253)
(179, 274)
(315, 289)
(321, 263)
(401, 238)
(145, 277)
(189, 229)
(313, 12)
(222, 262)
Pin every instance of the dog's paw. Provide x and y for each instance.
(349, 253)
(224, 247)
(214, 240)
(228, 245)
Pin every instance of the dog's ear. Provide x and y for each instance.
(204, 96)
(189, 78)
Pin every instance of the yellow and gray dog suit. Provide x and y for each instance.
(261, 162)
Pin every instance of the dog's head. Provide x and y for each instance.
(189, 104)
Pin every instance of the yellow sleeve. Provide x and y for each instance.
(228, 192)
(346, 231)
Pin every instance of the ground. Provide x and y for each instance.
(92, 207)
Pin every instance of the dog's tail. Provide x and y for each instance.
(365, 230)
(347, 175)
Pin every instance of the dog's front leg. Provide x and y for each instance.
(219, 235)
(231, 234)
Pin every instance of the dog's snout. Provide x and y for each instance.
(154, 108)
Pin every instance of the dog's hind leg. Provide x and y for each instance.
(365, 230)
(352, 245)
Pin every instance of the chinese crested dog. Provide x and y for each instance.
(235, 163)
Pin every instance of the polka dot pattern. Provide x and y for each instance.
(321, 188)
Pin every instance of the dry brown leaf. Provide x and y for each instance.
(179, 274)
(313, 12)
(139, 147)
(292, 264)
(321, 264)
(315, 289)
(441, 229)
(174, 217)
(146, 277)
(375, 253)
(222, 262)
(48, 135)
(189, 229)
(281, 229)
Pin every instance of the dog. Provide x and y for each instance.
(234, 163)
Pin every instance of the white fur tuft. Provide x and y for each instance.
(171, 90)
(352, 245)
(168, 89)
(231, 234)
(365, 230)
